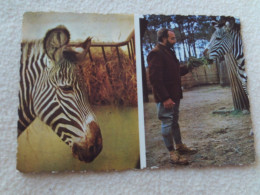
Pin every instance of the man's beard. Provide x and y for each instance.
(168, 44)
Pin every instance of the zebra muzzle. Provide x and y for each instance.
(90, 148)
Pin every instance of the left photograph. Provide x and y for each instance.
(78, 93)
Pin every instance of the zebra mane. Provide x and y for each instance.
(35, 46)
(224, 20)
(30, 51)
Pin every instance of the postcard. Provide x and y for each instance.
(78, 93)
(196, 99)
(115, 92)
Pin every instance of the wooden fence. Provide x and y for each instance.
(202, 75)
(129, 42)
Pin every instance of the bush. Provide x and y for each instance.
(109, 82)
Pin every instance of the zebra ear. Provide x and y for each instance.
(230, 23)
(55, 39)
(76, 52)
(215, 24)
(228, 26)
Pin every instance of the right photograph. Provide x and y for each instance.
(195, 92)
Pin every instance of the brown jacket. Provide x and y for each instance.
(165, 73)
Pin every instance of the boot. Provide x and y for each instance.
(176, 158)
(183, 149)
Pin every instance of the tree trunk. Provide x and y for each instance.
(188, 47)
(194, 49)
(184, 52)
(182, 40)
(179, 51)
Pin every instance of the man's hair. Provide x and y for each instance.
(162, 33)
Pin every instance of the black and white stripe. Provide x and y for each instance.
(228, 41)
(53, 92)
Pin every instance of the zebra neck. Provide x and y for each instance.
(32, 68)
(237, 69)
(237, 64)
(237, 48)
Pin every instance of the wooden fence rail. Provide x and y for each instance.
(130, 43)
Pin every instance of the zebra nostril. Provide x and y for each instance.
(91, 149)
(85, 153)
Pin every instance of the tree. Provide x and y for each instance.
(192, 33)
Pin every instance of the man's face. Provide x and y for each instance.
(171, 40)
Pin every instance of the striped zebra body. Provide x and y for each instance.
(52, 88)
(226, 43)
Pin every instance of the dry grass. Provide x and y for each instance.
(109, 82)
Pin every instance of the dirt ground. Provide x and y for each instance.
(221, 139)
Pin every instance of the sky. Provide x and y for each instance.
(103, 28)
(180, 53)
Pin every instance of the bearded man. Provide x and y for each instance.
(165, 77)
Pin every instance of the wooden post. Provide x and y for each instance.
(90, 56)
(104, 54)
(133, 43)
(131, 46)
(129, 54)
(119, 62)
(129, 43)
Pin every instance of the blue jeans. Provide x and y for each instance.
(169, 128)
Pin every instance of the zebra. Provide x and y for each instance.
(52, 88)
(226, 42)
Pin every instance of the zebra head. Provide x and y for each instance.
(222, 40)
(69, 113)
(59, 96)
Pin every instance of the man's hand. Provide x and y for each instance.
(185, 69)
(168, 104)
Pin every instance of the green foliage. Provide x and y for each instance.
(196, 62)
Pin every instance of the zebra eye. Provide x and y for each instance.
(218, 38)
(66, 88)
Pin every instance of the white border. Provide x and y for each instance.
(140, 92)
